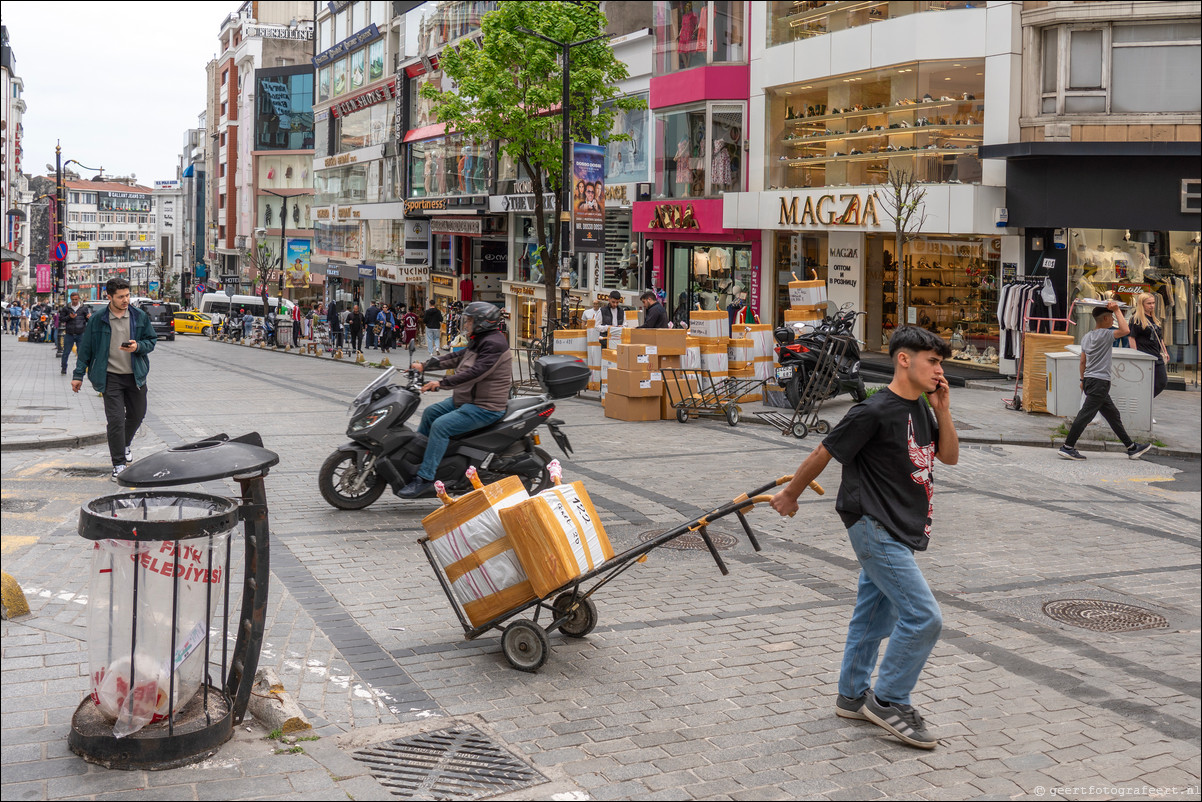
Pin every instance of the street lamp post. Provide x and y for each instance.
(60, 227)
(283, 230)
(565, 214)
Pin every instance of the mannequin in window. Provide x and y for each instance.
(720, 172)
(684, 170)
(429, 180)
(691, 40)
(440, 169)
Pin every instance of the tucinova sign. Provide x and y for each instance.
(380, 94)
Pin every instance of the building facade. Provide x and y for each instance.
(16, 275)
(168, 239)
(1104, 179)
(194, 271)
(110, 232)
(253, 161)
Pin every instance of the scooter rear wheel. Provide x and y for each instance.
(337, 473)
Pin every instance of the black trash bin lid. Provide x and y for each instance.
(157, 515)
(214, 457)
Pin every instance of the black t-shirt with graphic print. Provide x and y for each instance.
(886, 446)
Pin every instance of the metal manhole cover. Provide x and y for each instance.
(691, 541)
(21, 504)
(80, 472)
(20, 418)
(1103, 616)
(453, 763)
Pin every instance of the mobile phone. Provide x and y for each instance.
(130, 342)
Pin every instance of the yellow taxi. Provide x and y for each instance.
(192, 323)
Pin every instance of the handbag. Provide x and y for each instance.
(1048, 292)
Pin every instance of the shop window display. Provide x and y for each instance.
(1116, 263)
(923, 117)
(347, 184)
(622, 268)
(952, 288)
(797, 20)
(529, 261)
(692, 34)
(707, 277)
(700, 150)
(800, 256)
(385, 240)
(370, 126)
(448, 166)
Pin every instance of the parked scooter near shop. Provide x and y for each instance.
(385, 452)
(798, 356)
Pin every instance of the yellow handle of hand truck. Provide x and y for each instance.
(784, 480)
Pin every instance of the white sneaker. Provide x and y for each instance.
(129, 455)
(117, 471)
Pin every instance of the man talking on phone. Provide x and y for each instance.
(887, 446)
(114, 352)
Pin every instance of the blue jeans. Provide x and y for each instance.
(443, 421)
(893, 602)
(69, 341)
(432, 338)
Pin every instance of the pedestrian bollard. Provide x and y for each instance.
(159, 607)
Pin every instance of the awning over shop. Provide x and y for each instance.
(12, 256)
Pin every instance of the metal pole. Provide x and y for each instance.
(565, 238)
(60, 271)
(283, 228)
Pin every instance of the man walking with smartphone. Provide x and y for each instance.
(114, 352)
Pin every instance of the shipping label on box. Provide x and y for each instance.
(636, 384)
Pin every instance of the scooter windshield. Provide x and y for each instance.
(365, 395)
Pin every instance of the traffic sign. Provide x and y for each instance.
(60, 251)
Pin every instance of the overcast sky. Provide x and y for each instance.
(116, 83)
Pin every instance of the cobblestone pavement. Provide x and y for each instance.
(694, 685)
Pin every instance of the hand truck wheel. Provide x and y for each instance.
(582, 620)
(822, 427)
(732, 414)
(800, 430)
(525, 645)
(682, 415)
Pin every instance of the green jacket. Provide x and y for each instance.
(93, 355)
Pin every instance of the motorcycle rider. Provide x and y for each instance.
(482, 379)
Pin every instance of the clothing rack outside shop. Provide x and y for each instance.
(1015, 402)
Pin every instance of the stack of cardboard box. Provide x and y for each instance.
(807, 302)
(633, 384)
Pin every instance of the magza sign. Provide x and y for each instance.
(842, 209)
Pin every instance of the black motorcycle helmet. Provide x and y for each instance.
(485, 317)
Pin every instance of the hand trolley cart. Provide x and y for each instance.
(570, 608)
(818, 386)
(696, 393)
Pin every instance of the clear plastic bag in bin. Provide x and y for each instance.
(123, 630)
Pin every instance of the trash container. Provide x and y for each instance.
(283, 336)
(166, 690)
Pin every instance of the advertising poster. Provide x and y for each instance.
(45, 278)
(296, 274)
(376, 60)
(626, 162)
(340, 77)
(588, 198)
(358, 68)
(323, 84)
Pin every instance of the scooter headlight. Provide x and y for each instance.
(372, 419)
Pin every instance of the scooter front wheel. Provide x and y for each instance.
(338, 473)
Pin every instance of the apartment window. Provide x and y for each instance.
(225, 77)
(325, 34)
(73, 217)
(1117, 69)
(223, 109)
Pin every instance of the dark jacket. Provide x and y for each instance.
(656, 317)
(74, 325)
(354, 322)
(94, 347)
(432, 318)
(608, 316)
(483, 372)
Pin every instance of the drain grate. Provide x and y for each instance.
(691, 541)
(81, 471)
(454, 763)
(1103, 616)
(21, 504)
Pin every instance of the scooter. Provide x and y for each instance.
(798, 357)
(384, 452)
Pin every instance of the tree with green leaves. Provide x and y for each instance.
(509, 85)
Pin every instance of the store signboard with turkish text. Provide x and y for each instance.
(45, 278)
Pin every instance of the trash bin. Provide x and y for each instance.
(283, 336)
(159, 607)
